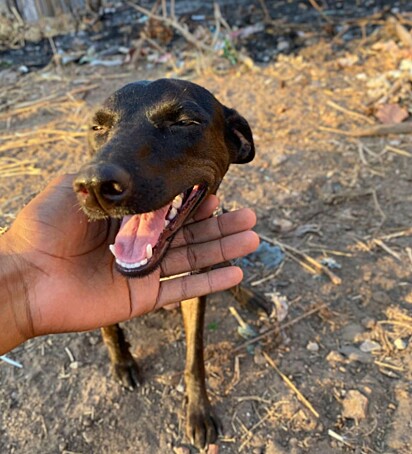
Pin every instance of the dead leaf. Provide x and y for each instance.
(391, 113)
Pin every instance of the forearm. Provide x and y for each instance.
(14, 307)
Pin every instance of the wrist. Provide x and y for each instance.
(15, 317)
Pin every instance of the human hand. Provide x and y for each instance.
(69, 280)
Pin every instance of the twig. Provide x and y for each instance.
(378, 207)
(266, 13)
(391, 236)
(10, 361)
(362, 154)
(303, 264)
(315, 4)
(338, 437)
(56, 56)
(172, 10)
(299, 395)
(236, 376)
(398, 151)
(237, 316)
(387, 249)
(164, 9)
(350, 112)
(311, 261)
(389, 366)
(280, 327)
(249, 436)
(395, 322)
(173, 23)
(218, 15)
(69, 354)
(409, 252)
(378, 130)
(264, 279)
(17, 16)
(403, 34)
(324, 250)
(383, 99)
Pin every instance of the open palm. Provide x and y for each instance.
(69, 272)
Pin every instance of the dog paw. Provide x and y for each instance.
(127, 374)
(203, 426)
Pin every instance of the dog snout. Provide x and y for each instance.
(107, 185)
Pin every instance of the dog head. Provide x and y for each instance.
(158, 149)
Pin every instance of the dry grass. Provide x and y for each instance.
(12, 167)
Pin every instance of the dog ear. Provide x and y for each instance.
(238, 136)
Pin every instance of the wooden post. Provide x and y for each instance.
(35, 10)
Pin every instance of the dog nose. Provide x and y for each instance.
(107, 184)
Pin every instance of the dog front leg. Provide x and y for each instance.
(202, 426)
(124, 367)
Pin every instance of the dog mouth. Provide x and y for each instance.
(143, 239)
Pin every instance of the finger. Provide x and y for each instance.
(172, 306)
(198, 256)
(206, 208)
(187, 287)
(65, 180)
(216, 227)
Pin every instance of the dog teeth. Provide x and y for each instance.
(149, 251)
(132, 266)
(177, 201)
(172, 214)
(111, 247)
(167, 222)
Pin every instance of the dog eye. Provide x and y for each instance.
(186, 122)
(98, 128)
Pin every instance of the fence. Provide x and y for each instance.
(33, 10)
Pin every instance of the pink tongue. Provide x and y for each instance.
(136, 232)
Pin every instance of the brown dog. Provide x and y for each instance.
(159, 148)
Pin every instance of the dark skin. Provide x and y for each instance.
(57, 273)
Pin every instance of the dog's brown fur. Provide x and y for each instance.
(153, 141)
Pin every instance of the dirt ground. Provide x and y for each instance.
(344, 340)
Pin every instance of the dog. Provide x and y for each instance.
(159, 148)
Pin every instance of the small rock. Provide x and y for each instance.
(303, 230)
(283, 46)
(23, 69)
(353, 354)
(258, 357)
(350, 332)
(335, 357)
(400, 344)
(355, 405)
(279, 225)
(331, 263)
(388, 373)
(368, 346)
(312, 346)
(87, 422)
(368, 322)
(93, 340)
(381, 297)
